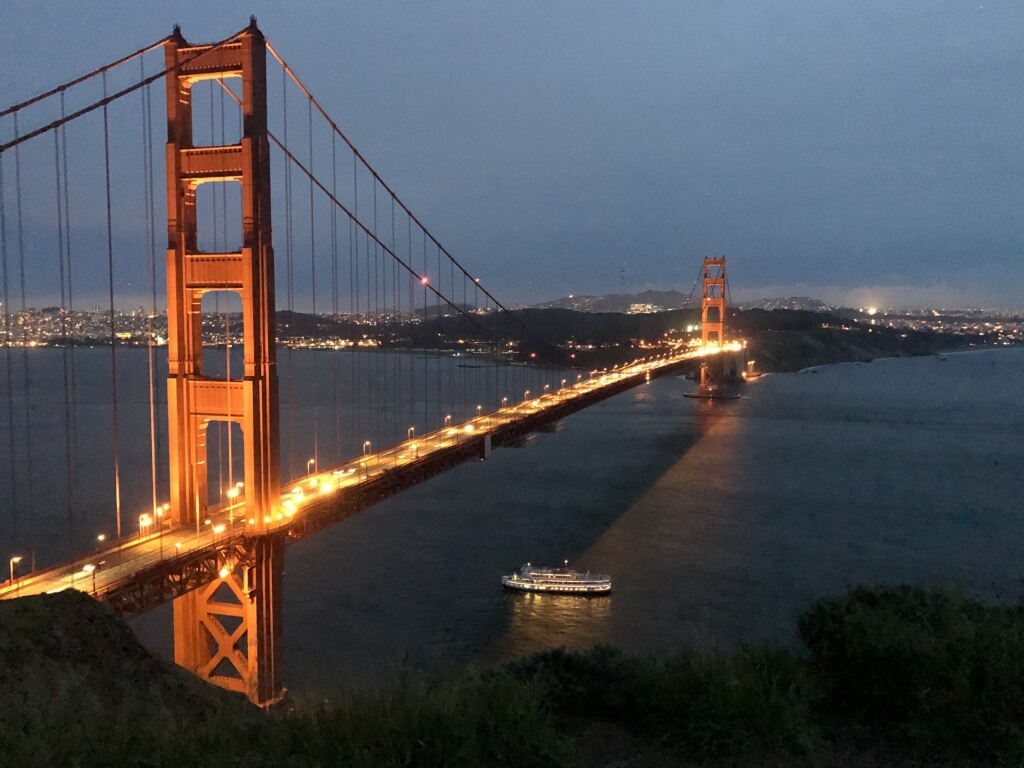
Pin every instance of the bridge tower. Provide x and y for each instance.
(228, 632)
(712, 324)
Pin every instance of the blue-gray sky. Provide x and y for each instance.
(863, 152)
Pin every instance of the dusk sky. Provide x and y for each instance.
(863, 153)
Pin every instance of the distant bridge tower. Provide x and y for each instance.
(712, 324)
(227, 632)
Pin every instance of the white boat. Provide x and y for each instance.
(564, 580)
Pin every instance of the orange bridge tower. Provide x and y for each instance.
(712, 325)
(227, 632)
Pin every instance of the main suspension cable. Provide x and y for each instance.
(102, 103)
(357, 154)
(78, 80)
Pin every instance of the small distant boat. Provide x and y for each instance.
(564, 580)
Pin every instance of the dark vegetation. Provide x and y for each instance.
(889, 676)
(779, 339)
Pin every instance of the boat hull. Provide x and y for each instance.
(558, 589)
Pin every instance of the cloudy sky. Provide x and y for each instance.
(863, 152)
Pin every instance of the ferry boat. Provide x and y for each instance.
(563, 580)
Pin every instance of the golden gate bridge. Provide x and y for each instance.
(355, 256)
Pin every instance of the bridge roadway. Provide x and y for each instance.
(160, 565)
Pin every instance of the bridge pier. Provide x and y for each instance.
(228, 632)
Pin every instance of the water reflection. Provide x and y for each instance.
(540, 621)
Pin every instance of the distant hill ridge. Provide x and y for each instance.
(657, 301)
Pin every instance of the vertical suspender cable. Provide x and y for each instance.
(443, 359)
(352, 324)
(289, 283)
(426, 319)
(26, 380)
(412, 321)
(113, 337)
(396, 307)
(68, 486)
(356, 355)
(312, 269)
(8, 358)
(335, 356)
(69, 349)
(378, 436)
(154, 400)
(147, 194)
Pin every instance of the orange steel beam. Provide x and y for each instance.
(195, 399)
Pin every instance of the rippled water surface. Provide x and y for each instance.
(719, 522)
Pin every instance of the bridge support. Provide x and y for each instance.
(721, 367)
(202, 642)
(229, 632)
(712, 323)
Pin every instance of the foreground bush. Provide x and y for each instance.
(929, 673)
(759, 700)
(937, 672)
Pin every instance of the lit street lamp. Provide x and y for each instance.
(159, 512)
(90, 568)
(412, 431)
(144, 522)
(309, 465)
(448, 420)
(13, 562)
(99, 541)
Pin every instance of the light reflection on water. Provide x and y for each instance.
(537, 621)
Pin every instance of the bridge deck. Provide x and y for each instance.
(163, 564)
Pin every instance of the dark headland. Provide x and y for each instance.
(886, 676)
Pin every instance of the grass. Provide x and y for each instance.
(908, 674)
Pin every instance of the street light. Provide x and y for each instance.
(99, 541)
(144, 522)
(309, 465)
(159, 512)
(448, 420)
(366, 446)
(90, 568)
(232, 495)
(412, 432)
(14, 561)
(504, 402)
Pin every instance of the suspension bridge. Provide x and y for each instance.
(398, 363)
